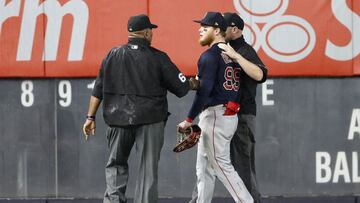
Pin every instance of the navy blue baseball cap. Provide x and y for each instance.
(233, 19)
(214, 19)
(139, 22)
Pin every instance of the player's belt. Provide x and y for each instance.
(230, 109)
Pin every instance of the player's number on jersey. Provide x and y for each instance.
(64, 91)
(232, 78)
(27, 95)
(182, 77)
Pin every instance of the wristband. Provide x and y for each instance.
(92, 118)
(190, 120)
(233, 106)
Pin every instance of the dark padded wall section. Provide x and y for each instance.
(309, 116)
(23, 201)
(43, 153)
(310, 200)
(26, 141)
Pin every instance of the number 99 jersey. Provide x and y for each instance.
(219, 79)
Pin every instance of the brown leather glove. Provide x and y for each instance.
(187, 138)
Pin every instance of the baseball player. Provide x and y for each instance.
(216, 102)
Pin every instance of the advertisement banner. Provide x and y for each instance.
(69, 38)
(293, 38)
(61, 38)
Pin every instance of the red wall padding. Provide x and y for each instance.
(293, 38)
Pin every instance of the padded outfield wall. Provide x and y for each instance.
(308, 133)
(308, 123)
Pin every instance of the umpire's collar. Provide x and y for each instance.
(138, 41)
(237, 43)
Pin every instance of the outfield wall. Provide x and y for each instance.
(308, 132)
(308, 124)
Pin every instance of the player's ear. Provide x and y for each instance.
(146, 33)
(217, 31)
(234, 29)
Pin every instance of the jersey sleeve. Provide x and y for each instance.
(208, 67)
(97, 90)
(173, 79)
(99, 81)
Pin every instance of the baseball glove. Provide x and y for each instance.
(187, 138)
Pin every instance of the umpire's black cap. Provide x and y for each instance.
(214, 19)
(233, 19)
(139, 22)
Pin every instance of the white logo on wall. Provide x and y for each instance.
(352, 22)
(54, 12)
(288, 38)
(341, 166)
(274, 38)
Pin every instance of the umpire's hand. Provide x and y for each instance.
(194, 83)
(89, 128)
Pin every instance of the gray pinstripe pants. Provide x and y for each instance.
(213, 156)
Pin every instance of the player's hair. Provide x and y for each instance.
(222, 33)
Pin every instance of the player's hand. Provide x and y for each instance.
(185, 124)
(228, 50)
(89, 128)
(194, 83)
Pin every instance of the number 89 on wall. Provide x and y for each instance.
(63, 90)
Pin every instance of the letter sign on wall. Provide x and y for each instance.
(58, 38)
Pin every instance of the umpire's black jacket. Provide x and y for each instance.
(133, 83)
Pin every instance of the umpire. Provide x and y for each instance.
(242, 147)
(132, 84)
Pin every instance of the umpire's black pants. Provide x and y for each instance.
(148, 140)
